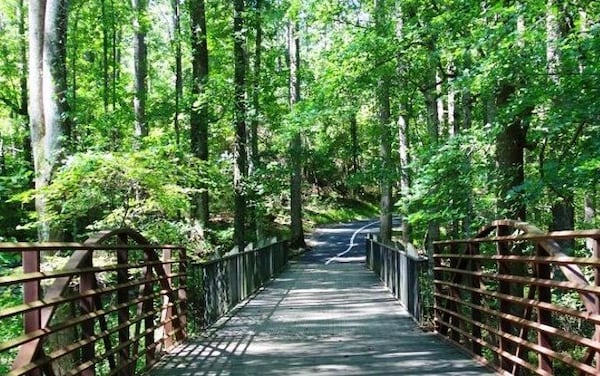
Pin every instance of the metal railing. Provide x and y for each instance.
(230, 280)
(513, 299)
(113, 308)
(400, 271)
(118, 303)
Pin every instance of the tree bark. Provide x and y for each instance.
(176, 5)
(240, 169)
(199, 109)
(563, 211)
(47, 100)
(385, 153)
(114, 56)
(254, 156)
(105, 56)
(23, 84)
(510, 154)
(433, 130)
(385, 137)
(466, 121)
(296, 152)
(140, 60)
(403, 151)
(354, 142)
(254, 219)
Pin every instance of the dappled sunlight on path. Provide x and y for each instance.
(319, 319)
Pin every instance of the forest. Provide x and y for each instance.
(212, 123)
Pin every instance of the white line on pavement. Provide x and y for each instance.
(351, 242)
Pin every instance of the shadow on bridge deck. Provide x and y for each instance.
(318, 319)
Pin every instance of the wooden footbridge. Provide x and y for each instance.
(508, 300)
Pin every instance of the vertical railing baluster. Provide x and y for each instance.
(31, 293)
(544, 316)
(147, 307)
(438, 301)
(182, 294)
(166, 314)
(86, 284)
(504, 325)
(451, 305)
(123, 298)
(596, 252)
(473, 250)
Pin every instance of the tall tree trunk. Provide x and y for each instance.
(254, 157)
(114, 55)
(563, 211)
(240, 169)
(254, 219)
(403, 138)
(176, 4)
(433, 130)
(403, 151)
(589, 216)
(47, 99)
(140, 60)
(385, 153)
(510, 144)
(23, 93)
(385, 137)
(296, 153)
(105, 56)
(510, 154)
(354, 143)
(199, 109)
(466, 121)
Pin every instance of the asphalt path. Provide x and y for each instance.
(341, 243)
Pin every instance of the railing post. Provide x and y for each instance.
(167, 309)
(86, 283)
(544, 316)
(596, 252)
(438, 277)
(31, 293)
(147, 306)
(123, 298)
(377, 257)
(183, 294)
(453, 319)
(473, 249)
(368, 251)
(505, 326)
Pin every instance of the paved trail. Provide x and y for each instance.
(320, 319)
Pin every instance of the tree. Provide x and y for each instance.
(255, 216)
(140, 60)
(295, 153)
(240, 168)
(176, 5)
(385, 152)
(47, 89)
(199, 108)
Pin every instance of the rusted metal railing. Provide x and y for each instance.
(113, 308)
(230, 280)
(516, 301)
(400, 271)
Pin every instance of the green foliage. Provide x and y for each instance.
(149, 190)
(452, 185)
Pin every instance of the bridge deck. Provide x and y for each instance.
(319, 319)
